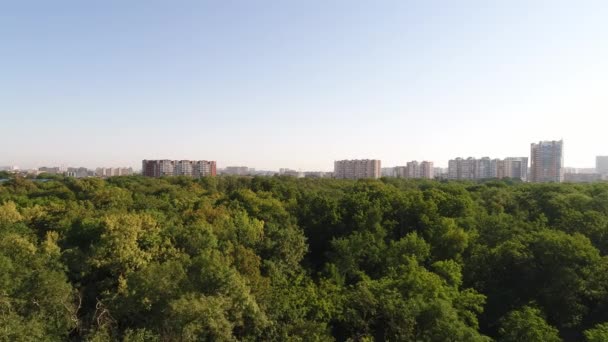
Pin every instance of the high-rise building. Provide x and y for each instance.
(427, 170)
(356, 169)
(189, 168)
(183, 168)
(203, 168)
(485, 168)
(462, 168)
(400, 171)
(412, 169)
(601, 164)
(514, 167)
(547, 161)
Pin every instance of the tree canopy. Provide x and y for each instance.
(280, 258)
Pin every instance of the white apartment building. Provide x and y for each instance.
(486, 168)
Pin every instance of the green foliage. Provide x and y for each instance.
(527, 324)
(599, 333)
(280, 258)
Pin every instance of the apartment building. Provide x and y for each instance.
(547, 161)
(514, 167)
(188, 168)
(357, 168)
(460, 168)
(415, 169)
(487, 168)
(113, 171)
(427, 170)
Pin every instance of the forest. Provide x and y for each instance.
(287, 259)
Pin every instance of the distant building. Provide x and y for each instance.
(427, 171)
(237, 170)
(77, 172)
(415, 169)
(460, 169)
(486, 168)
(291, 173)
(188, 168)
(412, 169)
(440, 173)
(601, 164)
(183, 168)
(317, 174)
(9, 168)
(357, 169)
(547, 162)
(388, 172)
(582, 177)
(50, 170)
(400, 171)
(514, 167)
(105, 172)
(262, 172)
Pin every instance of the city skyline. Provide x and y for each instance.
(402, 163)
(546, 165)
(283, 84)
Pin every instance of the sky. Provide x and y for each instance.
(298, 84)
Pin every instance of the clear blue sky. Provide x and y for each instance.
(298, 84)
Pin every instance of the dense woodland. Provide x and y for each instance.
(285, 259)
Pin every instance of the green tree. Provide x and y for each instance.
(527, 324)
(599, 333)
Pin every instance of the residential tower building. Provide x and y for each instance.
(547, 161)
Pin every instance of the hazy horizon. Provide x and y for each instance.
(278, 84)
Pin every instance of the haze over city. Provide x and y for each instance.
(300, 84)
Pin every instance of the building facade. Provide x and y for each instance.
(514, 167)
(188, 168)
(237, 170)
(461, 169)
(113, 171)
(582, 177)
(601, 164)
(547, 161)
(427, 170)
(486, 168)
(357, 169)
(388, 172)
(413, 169)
